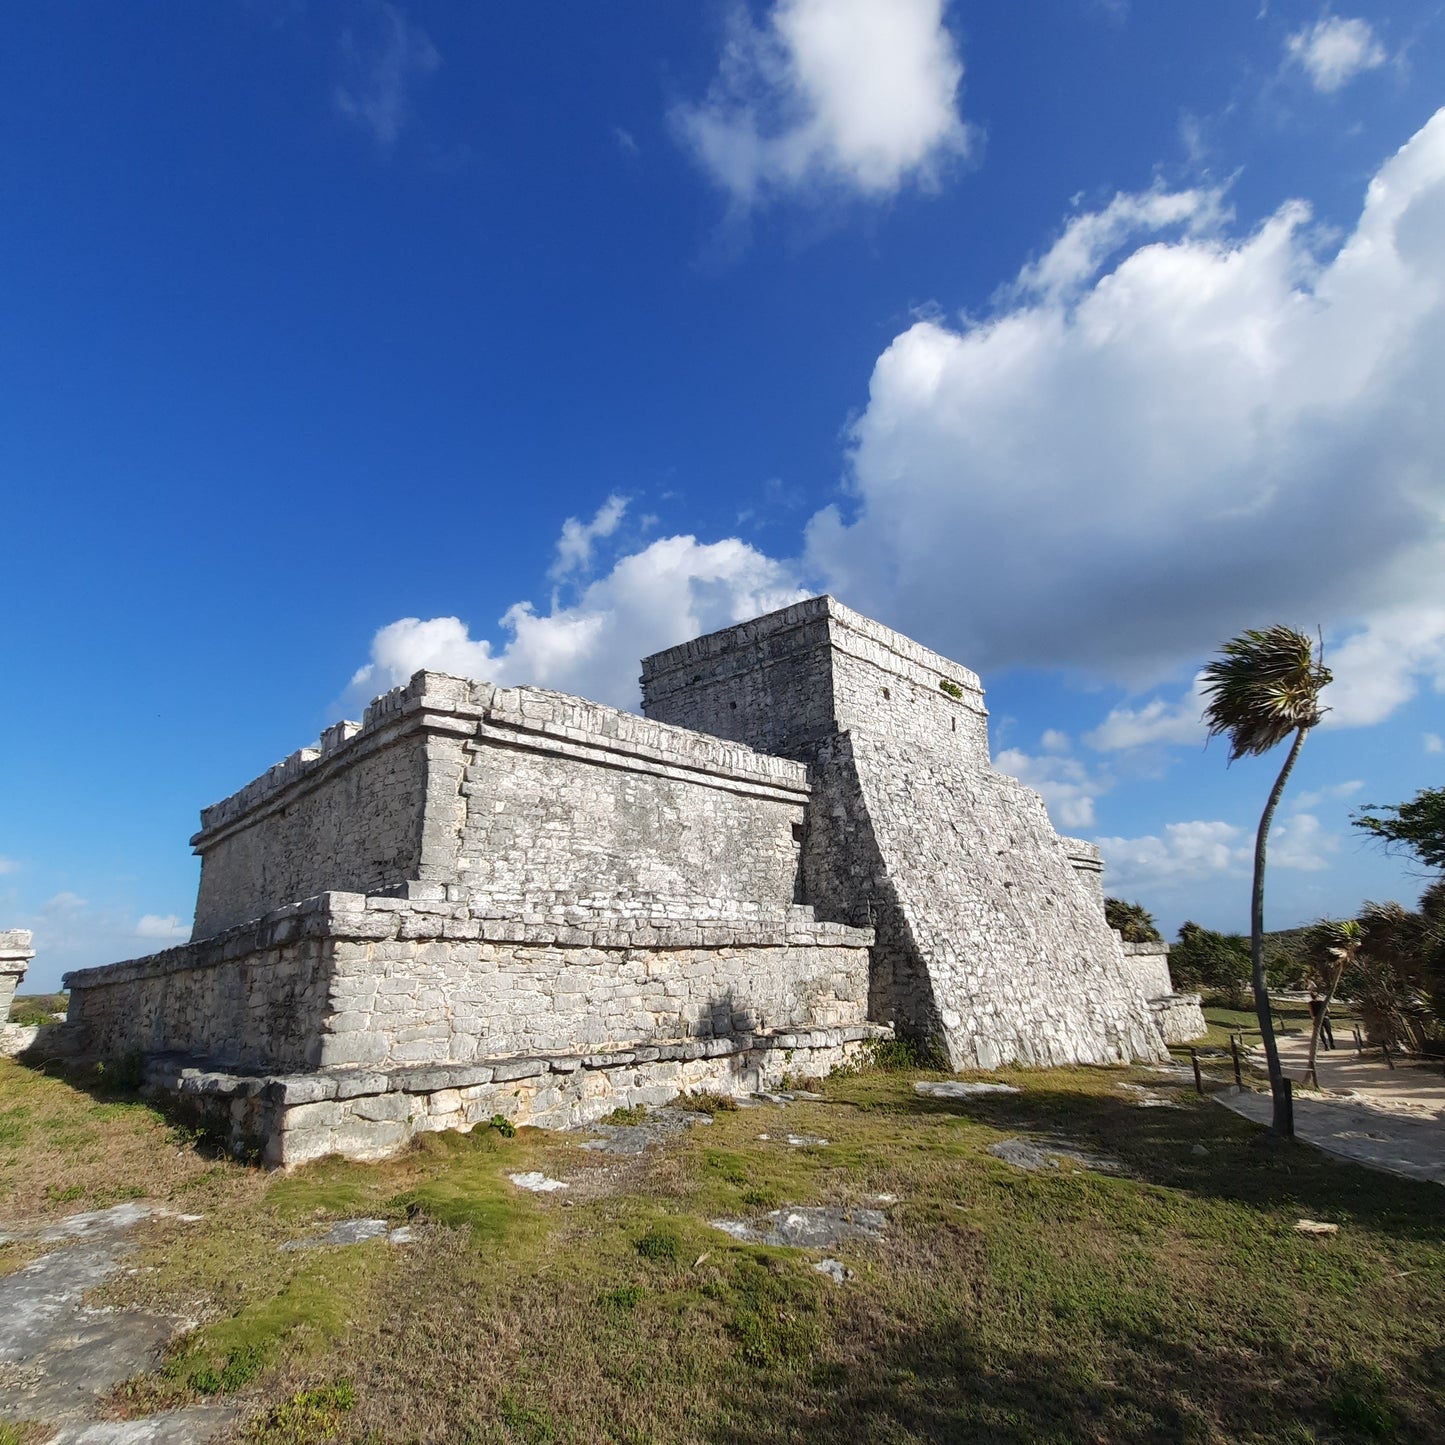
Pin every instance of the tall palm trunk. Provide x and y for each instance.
(1283, 1115)
(1336, 974)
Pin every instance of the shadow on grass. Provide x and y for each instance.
(122, 1081)
(945, 1383)
(1243, 1165)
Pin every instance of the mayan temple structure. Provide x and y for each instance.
(487, 900)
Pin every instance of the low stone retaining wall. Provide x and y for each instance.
(366, 1114)
(1180, 1017)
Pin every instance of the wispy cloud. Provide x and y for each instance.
(574, 546)
(382, 58)
(1193, 850)
(1334, 50)
(8, 865)
(1334, 793)
(1155, 722)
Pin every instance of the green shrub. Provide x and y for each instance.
(307, 1416)
(660, 1245)
(624, 1297)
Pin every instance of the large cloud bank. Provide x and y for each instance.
(1166, 433)
(1141, 454)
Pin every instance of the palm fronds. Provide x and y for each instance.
(1264, 686)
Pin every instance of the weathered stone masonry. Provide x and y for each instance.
(990, 932)
(491, 900)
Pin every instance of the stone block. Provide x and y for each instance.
(510, 1070)
(323, 1114)
(394, 1107)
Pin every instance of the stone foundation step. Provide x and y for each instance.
(287, 1119)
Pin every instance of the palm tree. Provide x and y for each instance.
(1334, 946)
(1262, 687)
(1133, 921)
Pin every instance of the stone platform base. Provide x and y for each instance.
(363, 1114)
(1179, 1016)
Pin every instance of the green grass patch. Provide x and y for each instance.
(705, 1103)
(470, 1190)
(660, 1245)
(329, 1188)
(634, 1115)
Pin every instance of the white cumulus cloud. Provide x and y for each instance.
(1067, 787)
(672, 590)
(1334, 50)
(1382, 665)
(1164, 436)
(1193, 850)
(860, 94)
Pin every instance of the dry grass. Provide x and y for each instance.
(1173, 1300)
(68, 1143)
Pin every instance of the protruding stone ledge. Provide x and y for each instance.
(520, 716)
(366, 1114)
(358, 917)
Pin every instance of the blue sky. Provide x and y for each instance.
(1069, 338)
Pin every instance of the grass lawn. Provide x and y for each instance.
(1171, 1299)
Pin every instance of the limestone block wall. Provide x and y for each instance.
(346, 980)
(255, 997)
(1148, 966)
(787, 682)
(987, 942)
(990, 945)
(518, 793)
(432, 994)
(636, 812)
(768, 683)
(346, 818)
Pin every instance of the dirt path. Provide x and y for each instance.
(1366, 1111)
